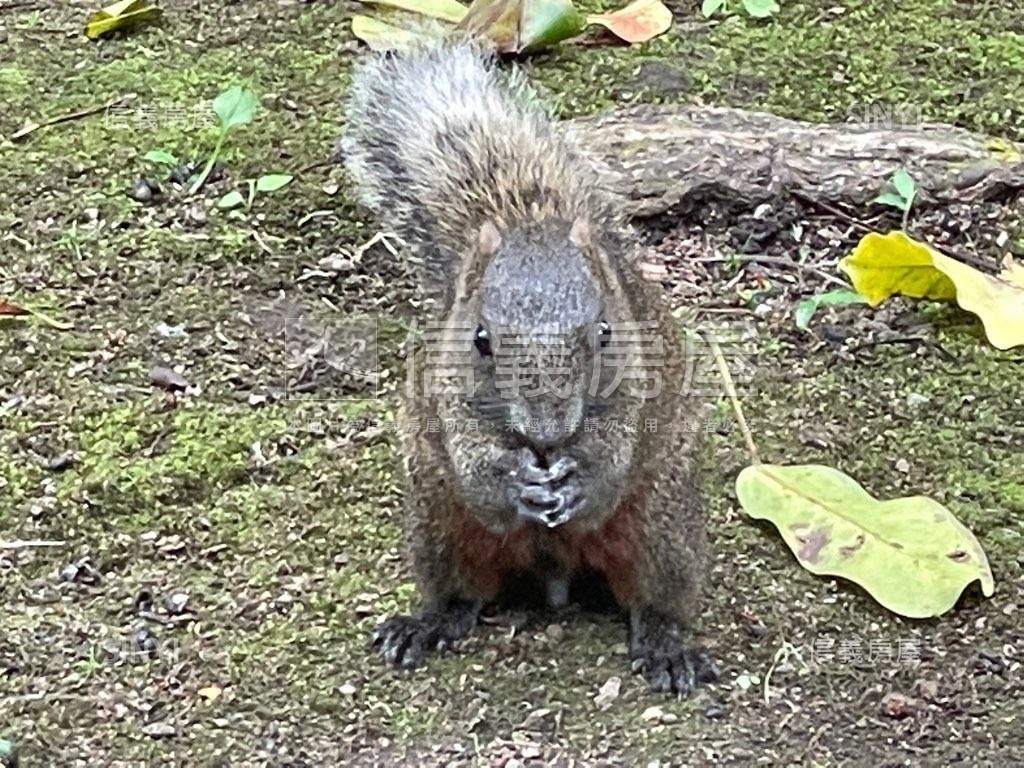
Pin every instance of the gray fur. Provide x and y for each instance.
(462, 161)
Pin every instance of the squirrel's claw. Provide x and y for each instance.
(404, 641)
(668, 665)
(544, 495)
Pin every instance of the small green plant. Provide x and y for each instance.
(269, 183)
(805, 308)
(161, 157)
(904, 190)
(759, 9)
(235, 107)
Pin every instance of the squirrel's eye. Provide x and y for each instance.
(482, 341)
(604, 333)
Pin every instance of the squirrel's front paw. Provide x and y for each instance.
(551, 495)
(404, 641)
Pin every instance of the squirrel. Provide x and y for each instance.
(536, 285)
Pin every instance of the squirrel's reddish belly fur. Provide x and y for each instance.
(485, 557)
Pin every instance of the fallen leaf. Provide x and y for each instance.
(638, 22)
(272, 182)
(160, 157)
(210, 693)
(546, 22)
(883, 265)
(12, 310)
(497, 20)
(761, 9)
(911, 554)
(380, 35)
(1012, 272)
(446, 10)
(806, 308)
(897, 705)
(232, 199)
(121, 15)
(7, 309)
(516, 26)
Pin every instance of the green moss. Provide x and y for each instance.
(135, 459)
(859, 60)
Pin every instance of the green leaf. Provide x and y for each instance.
(160, 157)
(546, 22)
(446, 10)
(904, 184)
(232, 199)
(806, 308)
(8, 754)
(120, 15)
(272, 182)
(891, 198)
(803, 312)
(911, 554)
(235, 106)
(711, 7)
(761, 9)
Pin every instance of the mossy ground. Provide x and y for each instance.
(280, 520)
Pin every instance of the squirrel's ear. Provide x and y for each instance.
(579, 234)
(489, 239)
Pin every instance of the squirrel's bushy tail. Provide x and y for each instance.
(439, 141)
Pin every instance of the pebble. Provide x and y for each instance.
(652, 714)
(555, 631)
(167, 378)
(176, 603)
(144, 190)
(608, 692)
(160, 730)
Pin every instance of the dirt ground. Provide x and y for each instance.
(227, 547)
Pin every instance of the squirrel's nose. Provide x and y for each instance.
(549, 424)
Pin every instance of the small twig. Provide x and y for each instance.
(730, 390)
(33, 127)
(838, 213)
(314, 166)
(783, 261)
(29, 544)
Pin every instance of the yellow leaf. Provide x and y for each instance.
(446, 10)
(883, 265)
(380, 35)
(211, 693)
(119, 16)
(1005, 150)
(1012, 272)
(638, 22)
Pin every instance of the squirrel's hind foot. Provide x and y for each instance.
(667, 663)
(404, 641)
